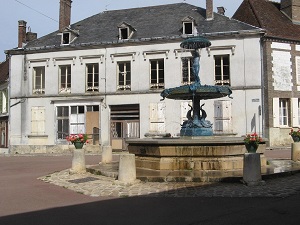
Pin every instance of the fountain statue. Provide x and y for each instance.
(196, 125)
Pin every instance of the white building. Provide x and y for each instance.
(103, 76)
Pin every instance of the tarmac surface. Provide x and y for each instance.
(40, 190)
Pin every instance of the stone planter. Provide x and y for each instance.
(296, 138)
(78, 145)
(251, 148)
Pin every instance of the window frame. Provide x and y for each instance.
(66, 87)
(221, 81)
(190, 78)
(95, 77)
(41, 90)
(184, 28)
(125, 73)
(154, 83)
(284, 112)
(65, 38)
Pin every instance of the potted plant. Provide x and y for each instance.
(252, 142)
(78, 140)
(295, 134)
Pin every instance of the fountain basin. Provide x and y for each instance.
(201, 153)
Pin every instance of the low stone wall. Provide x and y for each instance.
(51, 149)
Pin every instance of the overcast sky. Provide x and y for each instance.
(42, 15)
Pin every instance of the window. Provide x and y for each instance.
(124, 33)
(66, 38)
(3, 101)
(284, 109)
(222, 74)
(187, 70)
(92, 76)
(38, 120)
(65, 79)
(124, 76)
(77, 120)
(62, 122)
(187, 28)
(39, 80)
(157, 74)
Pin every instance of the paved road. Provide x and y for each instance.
(28, 201)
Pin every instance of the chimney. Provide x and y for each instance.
(221, 10)
(22, 33)
(64, 14)
(291, 8)
(209, 10)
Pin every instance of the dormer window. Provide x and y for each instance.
(66, 38)
(188, 28)
(125, 31)
(188, 25)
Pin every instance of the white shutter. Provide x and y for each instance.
(157, 117)
(295, 112)
(275, 112)
(161, 106)
(298, 69)
(222, 116)
(37, 120)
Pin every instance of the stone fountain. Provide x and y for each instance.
(197, 149)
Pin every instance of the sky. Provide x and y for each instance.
(42, 15)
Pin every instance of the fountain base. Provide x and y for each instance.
(199, 154)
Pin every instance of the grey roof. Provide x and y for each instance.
(149, 22)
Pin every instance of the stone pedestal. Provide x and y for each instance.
(78, 161)
(296, 151)
(252, 169)
(106, 154)
(127, 170)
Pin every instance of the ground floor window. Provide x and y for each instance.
(3, 133)
(77, 119)
(284, 109)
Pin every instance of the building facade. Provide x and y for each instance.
(4, 110)
(281, 55)
(103, 76)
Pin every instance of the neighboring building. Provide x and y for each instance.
(103, 76)
(281, 61)
(4, 100)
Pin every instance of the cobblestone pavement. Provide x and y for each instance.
(96, 185)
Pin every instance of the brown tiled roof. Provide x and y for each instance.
(4, 71)
(267, 15)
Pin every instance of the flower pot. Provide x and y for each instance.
(78, 145)
(251, 148)
(296, 138)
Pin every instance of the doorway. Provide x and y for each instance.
(125, 124)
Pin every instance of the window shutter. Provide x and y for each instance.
(157, 117)
(295, 112)
(222, 112)
(298, 69)
(275, 112)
